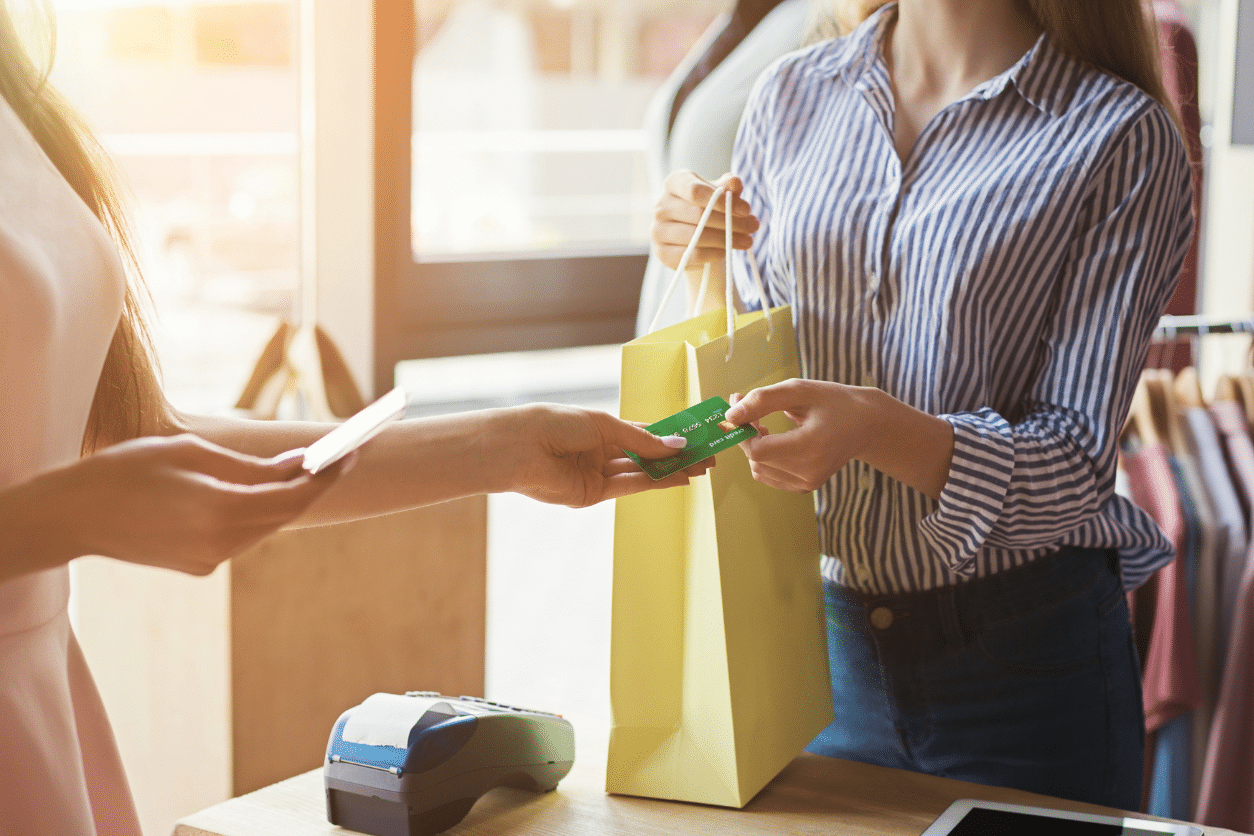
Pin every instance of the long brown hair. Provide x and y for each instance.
(128, 400)
(1118, 36)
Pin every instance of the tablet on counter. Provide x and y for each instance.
(968, 817)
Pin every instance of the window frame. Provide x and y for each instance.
(480, 304)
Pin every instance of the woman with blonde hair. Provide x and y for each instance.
(95, 460)
(977, 210)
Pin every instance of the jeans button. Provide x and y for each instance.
(881, 618)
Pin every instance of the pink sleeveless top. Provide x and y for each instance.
(61, 289)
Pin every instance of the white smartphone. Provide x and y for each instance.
(968, 817)
(354, 432)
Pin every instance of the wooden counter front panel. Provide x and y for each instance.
(323, 617)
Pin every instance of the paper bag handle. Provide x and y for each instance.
(725, 193)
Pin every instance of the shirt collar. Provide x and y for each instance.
(858, 51)
(1040, 76)
(1043, 76)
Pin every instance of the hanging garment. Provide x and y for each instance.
(1227, 793)
(1230, 545)
(1233, 428)
(1171, 771)
(1220, 535)
(1226, 797)
(1171, 687)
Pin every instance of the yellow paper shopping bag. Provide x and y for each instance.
(718, 666)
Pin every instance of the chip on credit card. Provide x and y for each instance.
(706, 430)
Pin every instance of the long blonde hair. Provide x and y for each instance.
(128, 400)
(1118, 36)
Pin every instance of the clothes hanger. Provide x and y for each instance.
(1245, 392)
(1161, 407)
(1188, 388)
(1226, 389)
(1139, 430)
(1239, 387)
(1176, 423)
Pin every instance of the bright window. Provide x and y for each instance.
(528, 120)
(198, 103)
(527, 137)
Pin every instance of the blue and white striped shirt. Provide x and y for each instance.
(1006, 277)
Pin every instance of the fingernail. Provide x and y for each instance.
(676, 441)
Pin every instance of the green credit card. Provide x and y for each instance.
(706, 431)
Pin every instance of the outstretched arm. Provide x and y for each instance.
(186, 503)
(558, 454)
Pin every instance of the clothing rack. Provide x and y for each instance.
(1170, 327)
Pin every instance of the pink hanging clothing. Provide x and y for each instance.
(1170, 680)
(61, 289)
(1226, 798)
(1227, 794)
(1205, 450)
(1233, 428)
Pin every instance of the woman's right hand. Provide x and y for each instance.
(180, 503)
(684, 197)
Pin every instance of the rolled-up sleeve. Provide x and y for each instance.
(1024, 481)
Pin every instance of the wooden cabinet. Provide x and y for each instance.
(218, 686)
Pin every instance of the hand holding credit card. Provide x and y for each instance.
(705, 429)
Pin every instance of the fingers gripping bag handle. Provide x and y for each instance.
(728, 197)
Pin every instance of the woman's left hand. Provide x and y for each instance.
(571, 456)
(832, 428)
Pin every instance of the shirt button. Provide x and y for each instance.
(864, 481)
(873, 283)
(881, 618)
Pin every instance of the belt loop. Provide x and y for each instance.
(950, 624)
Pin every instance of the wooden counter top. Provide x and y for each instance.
(813, 795)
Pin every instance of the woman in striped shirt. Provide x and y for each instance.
(977, 210)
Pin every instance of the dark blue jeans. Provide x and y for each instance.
(1027, 679)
